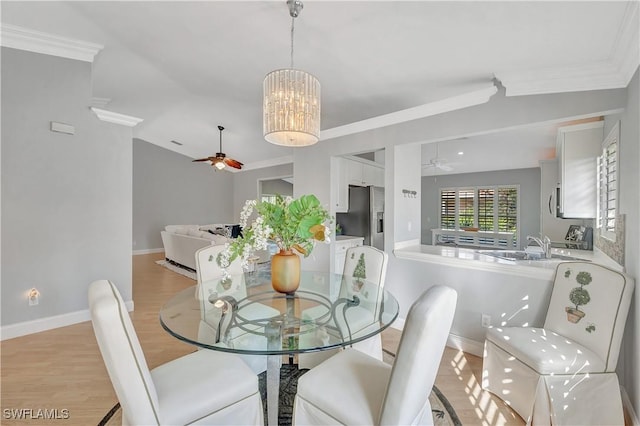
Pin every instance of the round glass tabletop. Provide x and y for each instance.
(245, 315)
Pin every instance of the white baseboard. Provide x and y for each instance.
(148, 251)
(466, 345)
(626, 403)
(48, 323)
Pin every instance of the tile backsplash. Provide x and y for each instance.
(613, 249)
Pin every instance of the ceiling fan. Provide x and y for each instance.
(438, 163)
(220, 161)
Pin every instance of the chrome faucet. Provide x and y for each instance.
(544, 243)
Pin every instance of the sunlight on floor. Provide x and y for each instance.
(485, 408)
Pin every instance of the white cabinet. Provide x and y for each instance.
(361, 174)
(550, 225)
(339, 184)
(577, 150)
(354, 173)
(344, 242)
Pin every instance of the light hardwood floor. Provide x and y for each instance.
(62, 369)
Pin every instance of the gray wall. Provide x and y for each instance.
(66, 199)
(277, 186)
(527, 179)
(246, 184)
(169, 189)
(629, 363)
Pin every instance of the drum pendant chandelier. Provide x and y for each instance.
(291, 101)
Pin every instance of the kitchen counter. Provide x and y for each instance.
(506, 293)
(472, 259)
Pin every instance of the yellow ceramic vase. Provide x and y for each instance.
(285, 271)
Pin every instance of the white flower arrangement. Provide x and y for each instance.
(292, 224)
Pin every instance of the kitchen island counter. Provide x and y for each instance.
(504, 292)
(474, 259)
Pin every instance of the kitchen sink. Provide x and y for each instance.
(523, 255)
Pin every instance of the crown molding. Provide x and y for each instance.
(466, 100)
(114, 117)
(287, 159)
(578, 78)
(626, 49)
(614, 73)
(21, 38)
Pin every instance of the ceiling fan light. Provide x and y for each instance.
(291, 108)
(219, 165)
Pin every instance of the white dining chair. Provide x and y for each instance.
(210, 288)
(362, 262)
(353, 388)
(204, 387)
(207, 268)
(564, 372)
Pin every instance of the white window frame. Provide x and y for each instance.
(608, 185)
(476, 190)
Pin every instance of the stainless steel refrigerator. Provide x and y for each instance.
(365, 217)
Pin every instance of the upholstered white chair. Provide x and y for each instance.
(210, 287)
(374, 268)
(356, 389)
(207, 268)
(204, 387)
(564, 372)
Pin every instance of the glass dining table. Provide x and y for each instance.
(244, 315)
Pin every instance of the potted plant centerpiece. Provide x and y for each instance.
(294, 225)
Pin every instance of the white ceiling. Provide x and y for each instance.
(187, 67)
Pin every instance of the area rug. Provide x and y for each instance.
(443, 412)
(175, 268)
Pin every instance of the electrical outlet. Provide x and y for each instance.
(33, 297)
(486, 320)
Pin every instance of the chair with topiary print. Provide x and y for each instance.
(564, 373)
(362, 263)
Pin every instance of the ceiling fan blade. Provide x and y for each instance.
(233, 163)
(204, 159)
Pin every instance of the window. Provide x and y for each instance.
(267, 198)
(608, 184)
(490, 209)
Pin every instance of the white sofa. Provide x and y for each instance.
(182, 241)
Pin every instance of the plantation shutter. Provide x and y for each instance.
(448, 209)
(485, 209)
(608, 184)
(466, 211)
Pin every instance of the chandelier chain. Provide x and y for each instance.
(293, 19)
